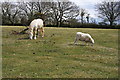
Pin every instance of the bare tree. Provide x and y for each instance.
(88, 17)
(82, 14)
(54, 13)
(109, 10)
(93, 20)
(34, 10)
(62, 11)
(42, 10)
(28, 10)
(10, 12)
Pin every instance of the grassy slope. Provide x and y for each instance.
(55, 56)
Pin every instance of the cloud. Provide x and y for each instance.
(89, 5)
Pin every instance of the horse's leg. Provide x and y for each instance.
(42, 31)
(76, 40)
(35, 33)
(38, 32)
(31, 33)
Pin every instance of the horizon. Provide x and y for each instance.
(88, 5)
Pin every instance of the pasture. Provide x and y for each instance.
(55, 56)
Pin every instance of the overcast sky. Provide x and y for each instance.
(88, 5)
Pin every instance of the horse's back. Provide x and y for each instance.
(36, 23)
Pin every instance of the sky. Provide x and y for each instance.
(89, 6)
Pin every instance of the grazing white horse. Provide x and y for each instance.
(83, 37)
(36, 26)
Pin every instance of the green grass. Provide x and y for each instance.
(55, 56)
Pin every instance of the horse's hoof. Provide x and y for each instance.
(34, 37)
(30, 38)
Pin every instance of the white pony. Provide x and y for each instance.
(83, 37)
(36, 26)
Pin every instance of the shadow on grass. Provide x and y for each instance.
(71, 44)
(23, 38)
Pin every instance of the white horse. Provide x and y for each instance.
(36, 26)
(83, 37)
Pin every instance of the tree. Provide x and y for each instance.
(61, 11)
(42, 10)
(109, 10)
(34, 10)
(87, 17)
(73, 22)
(82, 14)
(53, 13)
(28, 11)
(93, 20)
(10, 12)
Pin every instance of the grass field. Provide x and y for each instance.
(55, 56)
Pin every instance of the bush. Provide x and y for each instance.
(77, 25)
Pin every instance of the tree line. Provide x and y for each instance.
(59, 14)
